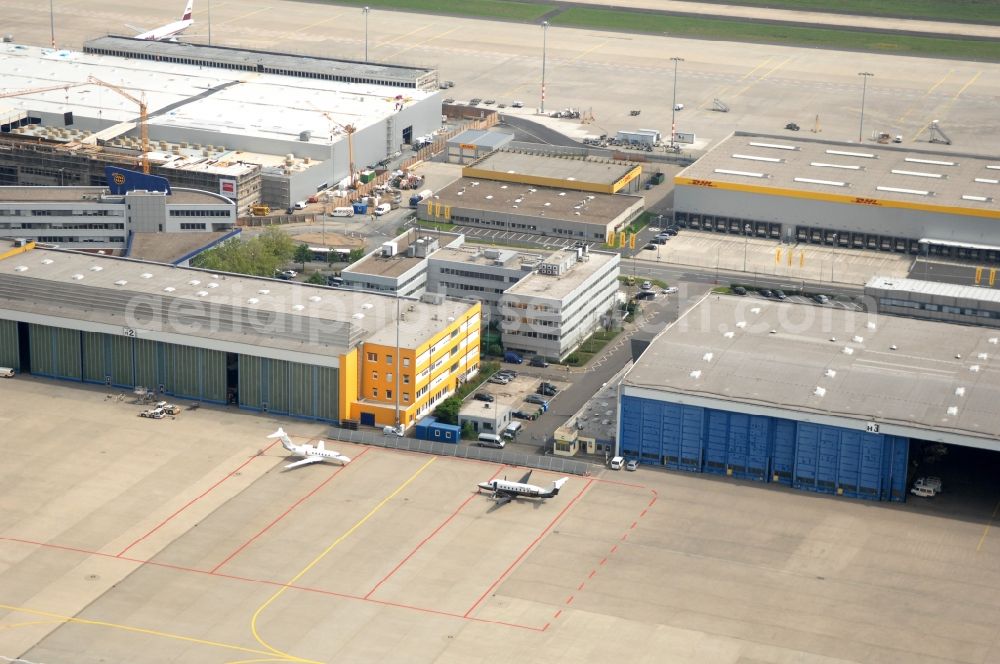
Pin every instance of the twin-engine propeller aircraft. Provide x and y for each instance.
(309, 453)
(505, 491)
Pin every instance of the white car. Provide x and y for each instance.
(933, 483)
(678, 107)
(631, 464)
(669, 291)
(646, 285)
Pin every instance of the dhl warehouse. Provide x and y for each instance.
(863, 196)
(263, 344)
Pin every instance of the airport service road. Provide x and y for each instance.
(607, 73)
(131, 540)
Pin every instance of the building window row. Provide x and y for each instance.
(943, 308)
(199, 213)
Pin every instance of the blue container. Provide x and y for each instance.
(360, 208)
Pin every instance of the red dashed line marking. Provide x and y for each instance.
(569, 600)
(624, 537)
(592, 573)
(643, 513)
(582, 584)
(634, 523)
(614, 548)
(603, 560)
(556, 615)
(651, 502)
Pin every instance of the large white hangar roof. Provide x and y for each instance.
(249, 311)
(270, 106)
(915, 378)
(869, 173)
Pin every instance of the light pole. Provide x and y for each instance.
(365, 12)
(52, 24)
(673, 107)
(746, 237)
(864, 89)
(833, 257)
(209, 22)
(545, 33)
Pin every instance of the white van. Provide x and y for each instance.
(491, 440)
(923, 491)
(382, 208)
(617, 463)
(300, 205)
(6, 372)
(512, 430)
(343, 212)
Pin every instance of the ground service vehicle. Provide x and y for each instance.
(512, 357)
(617, 463)
(6, 372)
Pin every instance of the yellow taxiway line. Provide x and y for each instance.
(253, 621)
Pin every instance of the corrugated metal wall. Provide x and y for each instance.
(289, 388)
(811, 457)
(9, 353)
(55, 352)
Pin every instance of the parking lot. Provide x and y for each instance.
(129, 539)
(515, 239)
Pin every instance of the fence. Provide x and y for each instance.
(507, 457)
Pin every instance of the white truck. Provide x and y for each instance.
(6, 372)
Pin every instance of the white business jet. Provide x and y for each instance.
(169, 31)
(505, 491)
(308, 453)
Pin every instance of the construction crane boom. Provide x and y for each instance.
(91, 80)
(349, 130)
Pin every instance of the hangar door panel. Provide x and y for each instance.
(9, 353)
(55, 352)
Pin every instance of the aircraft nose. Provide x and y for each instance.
(485, 485)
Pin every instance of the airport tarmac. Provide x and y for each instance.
(132, 540)
(604, 73)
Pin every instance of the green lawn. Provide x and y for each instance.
(732, 30)
(970, 11)
(501, 9)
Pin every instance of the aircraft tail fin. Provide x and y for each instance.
(188, 11)
(321, 445)
(558, 485)
(286, 442)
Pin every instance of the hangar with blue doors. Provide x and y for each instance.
(826, 400)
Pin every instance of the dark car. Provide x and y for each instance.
(645, 295)
(780, 294)
(766, 293)
(650, 246)
(538, 361)
(521, 415)
(659, 240)
(791, 126)
(546, 391)
(739, 290)
(510, 373)
(483, 396)
(671, 230)
(534, 398)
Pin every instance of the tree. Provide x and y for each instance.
(316, 279)
(468, 431)
(355, 255)
(447, 410)
(259, 256)
(302, 255)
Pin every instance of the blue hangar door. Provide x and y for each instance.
(811, 457)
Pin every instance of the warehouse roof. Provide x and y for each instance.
(247, 310)
(529, 201)
(870, 171)
(566, 171)
(936, 288)
(559, 286)
(920, 374)
(481, 138)
(376, 263)
(186, 97)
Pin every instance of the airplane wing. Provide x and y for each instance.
(502, 499)
(524, 480)
(304, 462)
(136, 28)
(342, 459)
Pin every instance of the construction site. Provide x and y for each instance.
(300, 126)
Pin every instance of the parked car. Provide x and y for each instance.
(631, 464)
(933, 483)
(153, 413)
(646, 285)
(490, 102)
(521, 415)
(669, 291)
(780, 294)
(167, 408)
(650, 246)
(821, 299)
(792, 126)
(645, 295)
(538, 361)
(617, 463)
(659, 240)
(517, 104)
(549, 385)
(512, 357)
(499, 380)
(534, 398)
(483, 396)
(766, 292)
(546, 391)
(923, 492)
(510, 373)
(671, 230)
(475, 101)
(739, 290)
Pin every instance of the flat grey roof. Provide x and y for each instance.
(559, 286)
(596, 170)
(729, 340)
(482, 138)
(247, 310)
(376, 264)
(869, 170)
(472, 254)
(87, 194)
(531, 201)
(171, 247)
(244, 57)
(937, 288)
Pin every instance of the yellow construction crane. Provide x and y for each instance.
(143, 116)
(349, 130)
(91, 80)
